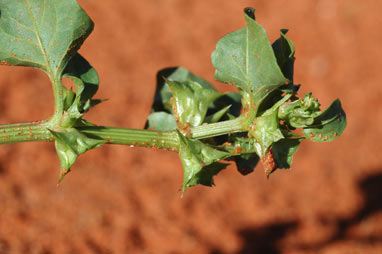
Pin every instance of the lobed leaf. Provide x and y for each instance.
(42, 34)
(329, 125)
(246, 59)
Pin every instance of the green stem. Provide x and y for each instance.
(217, 129)
(58, 102)
(39, 131)
(25, 132)
(133, 137)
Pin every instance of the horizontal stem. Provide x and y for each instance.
(39, 131)
(25, 132)
(217, 129)
(134, 137)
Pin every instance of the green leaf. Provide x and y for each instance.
(161, 121)
(190, 101)
(300, 113)
(214, 118)
(246, 59)
(70, 145)
(329, 125)
(206, 174)
(283, 151)
(284, 52)
(199, 162)
(231, 99)
(85, 78)
(86, 81)
(42, 34)
(163, 95)
(183, 77)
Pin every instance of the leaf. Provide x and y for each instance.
(266, 132)
(86, 81)
(163, 95)
(300, 113)
(284, 52)
(246, 59)
(70, 145)
(206, 174)
(42, 34)
(85, 78)
(283, 151)
(190, 101)
(199, 162)
(214, 118)
(232, 99)
(329, 125)
(161, 121)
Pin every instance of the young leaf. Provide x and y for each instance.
(246, 59)
(191, 101)
(70, 145)
(42, 34)
(329, 125)
(86, 80)
(300, 113)
(163, 95)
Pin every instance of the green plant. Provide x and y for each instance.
(207, 128)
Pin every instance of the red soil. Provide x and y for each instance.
(123, 200)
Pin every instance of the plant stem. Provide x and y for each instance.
(217, 129)
(39, 131)
(134, 137)
(58, 102)
(25, 132)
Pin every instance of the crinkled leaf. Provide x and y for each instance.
(266, 132)
(70, 145)
(284, 52)
(163, 95)
(199, 162)
(246, 59)
(161, 121)
(329, 125)
(300, 113)
(190, 101)
(42, 34)
(283, 151)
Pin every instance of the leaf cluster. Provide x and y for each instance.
(257, 123)
(266, 105)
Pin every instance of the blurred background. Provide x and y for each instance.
(123, 200)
